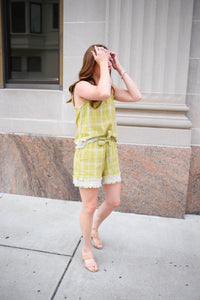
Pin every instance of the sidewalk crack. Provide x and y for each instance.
(35, 250)
(67, 267)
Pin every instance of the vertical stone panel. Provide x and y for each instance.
(148, 45)
(136, 42)
(193, 100)
(193, 87)
(152, 39)
(114, 24)
(172, 46)
(125, 34)
(160, 45)
(114, 29)
(185, 27)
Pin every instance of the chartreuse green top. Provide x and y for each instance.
(95, 122)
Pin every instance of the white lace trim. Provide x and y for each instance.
(113, 179)
(96, 183)
(87, 183)
(81, 144)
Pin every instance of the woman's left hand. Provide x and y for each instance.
(115, 62)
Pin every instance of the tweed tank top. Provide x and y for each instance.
(99, 122)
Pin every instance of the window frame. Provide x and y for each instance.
(28, 83)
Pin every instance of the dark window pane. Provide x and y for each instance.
(35, 18)
(16, 64)
(34, 64)
(55, 15)
(18, 17)
(31, 56)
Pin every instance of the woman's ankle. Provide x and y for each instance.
(87, 248)
(95, 227)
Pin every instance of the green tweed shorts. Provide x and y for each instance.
(96, 163)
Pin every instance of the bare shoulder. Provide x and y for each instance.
(81, 86)
(78, 92)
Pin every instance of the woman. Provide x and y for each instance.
(96, 157)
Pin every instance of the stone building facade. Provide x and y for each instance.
(158, 43)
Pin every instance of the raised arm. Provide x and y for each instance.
(132, 93)
(101, 91)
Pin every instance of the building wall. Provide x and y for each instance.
(152, 39)
(193, 101)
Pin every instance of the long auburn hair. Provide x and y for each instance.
(86, 73)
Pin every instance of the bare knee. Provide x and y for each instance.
(89, 209)
(114, 202)
(117, 202)
(89, 200)
(113, 194)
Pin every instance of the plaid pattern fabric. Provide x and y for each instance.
(96, 156)
(96, 163)
(92, 122)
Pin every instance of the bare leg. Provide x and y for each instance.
(89, 202)
(112, 200)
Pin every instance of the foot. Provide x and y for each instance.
(96, 242)
(89, 261)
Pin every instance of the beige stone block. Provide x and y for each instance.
(154, 136)
(195, 40)
(193, 114)
(79, 36)
(30, 104)
(195, 136)
(84, 10)
(194, 76)
(72, 66)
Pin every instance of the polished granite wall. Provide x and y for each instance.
(193, 203)
(154, 178)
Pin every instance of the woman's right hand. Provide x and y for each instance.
(101, 55)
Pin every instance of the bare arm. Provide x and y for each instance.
(101, 91)
(132, 94)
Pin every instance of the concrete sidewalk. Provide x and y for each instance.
(144, 257)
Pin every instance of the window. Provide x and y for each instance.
(16, 64)
(31, 37)
(34, 64)
(35, 18)
(18, 17)
(55, 16)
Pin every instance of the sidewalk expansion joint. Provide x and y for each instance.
(35, 250)
(67, 267)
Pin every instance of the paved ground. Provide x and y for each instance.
(144, 257)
